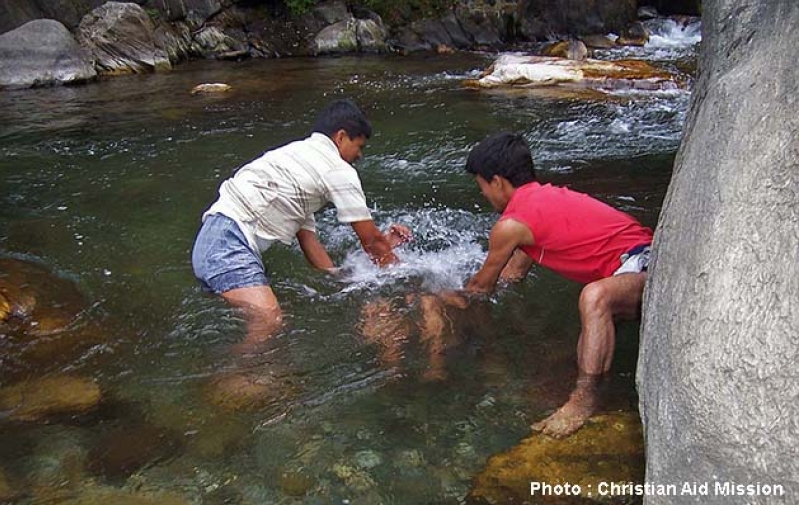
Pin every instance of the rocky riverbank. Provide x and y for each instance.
(74, 41)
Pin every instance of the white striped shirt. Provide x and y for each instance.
(274, 196)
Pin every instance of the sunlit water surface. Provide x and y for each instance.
(104, 184)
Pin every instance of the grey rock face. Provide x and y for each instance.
(338, 37)
(717, 371)
(121, 37)
(540, 18)
(371, 35)
(42, 52)
(15, 13)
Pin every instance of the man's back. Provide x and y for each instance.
(275, 195)
(574, 234)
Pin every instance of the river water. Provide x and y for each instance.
(104, 185)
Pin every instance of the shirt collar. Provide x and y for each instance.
(324, 141)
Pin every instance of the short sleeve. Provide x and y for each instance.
(309, 224)
(345, 192)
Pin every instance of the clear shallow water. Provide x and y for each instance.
(104, 184)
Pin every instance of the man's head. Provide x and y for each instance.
(346, 125)
(501, 163)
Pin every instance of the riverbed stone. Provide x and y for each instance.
(39, 399)
(47, 326)
(634, 35)
(7, 493)
(371, 35)
(609, 448)
(514, 70)
(121, 37)
(598, 41)
(569, 49)
(105, 495)
(368, 459)
(214, 42)
(123, 451)
(337, 38)
(41, 53)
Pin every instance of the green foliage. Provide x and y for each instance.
(400, 11)
(298, 7)
(154, 14)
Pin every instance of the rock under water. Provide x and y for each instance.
(609, 448)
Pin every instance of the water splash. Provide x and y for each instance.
(669, 33)
(447, 249)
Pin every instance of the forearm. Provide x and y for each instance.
(517, 268)
(313, 250)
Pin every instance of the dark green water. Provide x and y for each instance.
(104, 185)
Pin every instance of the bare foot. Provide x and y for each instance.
(565, 421)
(573, 415)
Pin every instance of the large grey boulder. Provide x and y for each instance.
(371, 35)
(121, 37)
(42, 52)
(338, 37)
(539, 19)
(717, 372)
(213, 42)
(15, 13)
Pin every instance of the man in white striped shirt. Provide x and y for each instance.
(274, 197)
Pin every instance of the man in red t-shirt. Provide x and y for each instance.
(574, 235)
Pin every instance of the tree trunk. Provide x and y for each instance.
(718, 371)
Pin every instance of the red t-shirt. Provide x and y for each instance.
(574, 234)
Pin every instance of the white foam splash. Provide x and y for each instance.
(668, 33)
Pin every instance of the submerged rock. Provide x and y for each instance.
(43, 320)
(41, 53)
(124, 451)
(106, 495)
(7, 493)
(512, 70)
(249, 391)
(39, 399)
(608, 449)
(214, 87)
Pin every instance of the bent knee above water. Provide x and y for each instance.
(621, 295)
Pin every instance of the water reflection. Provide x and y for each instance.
(403, 411)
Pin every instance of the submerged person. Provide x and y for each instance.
(274, 198)
(574, 235)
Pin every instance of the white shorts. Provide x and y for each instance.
(634, 263)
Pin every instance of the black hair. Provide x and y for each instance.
(503, 154)
(342, 115)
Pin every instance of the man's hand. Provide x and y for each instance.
(397, 234)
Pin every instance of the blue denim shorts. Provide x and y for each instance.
(222, 257)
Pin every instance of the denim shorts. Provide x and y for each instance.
(222, 257)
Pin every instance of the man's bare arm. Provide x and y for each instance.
(374, 243)
(314, 251)
(505, 237)
(517, 268)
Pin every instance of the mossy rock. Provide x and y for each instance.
(609, 448)
(105, 496)
(7, 493)
(38, 399)
(43, 318)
